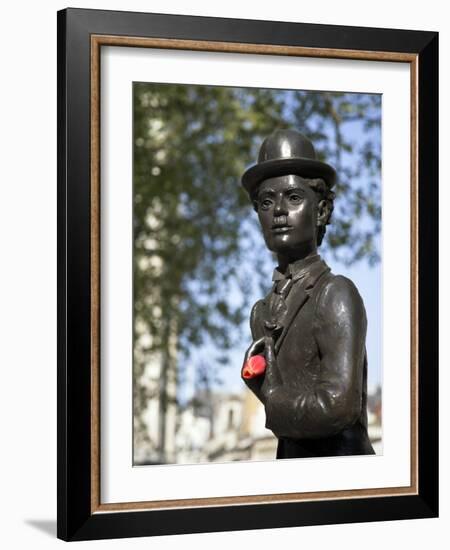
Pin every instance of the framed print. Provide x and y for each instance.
(194, 155)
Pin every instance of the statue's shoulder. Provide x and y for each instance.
(340, 298)
(256, 311)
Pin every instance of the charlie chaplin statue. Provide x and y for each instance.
(307, 363)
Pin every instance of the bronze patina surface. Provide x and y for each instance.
(311, 327)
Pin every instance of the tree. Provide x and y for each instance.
(196, 251)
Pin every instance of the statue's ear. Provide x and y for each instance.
(255, 205)
(323, 212)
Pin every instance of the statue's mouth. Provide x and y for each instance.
(281, 228)
(280, 224)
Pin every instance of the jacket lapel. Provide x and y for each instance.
(299, 295)
(297, 300)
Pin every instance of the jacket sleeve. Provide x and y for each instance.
(334, 402)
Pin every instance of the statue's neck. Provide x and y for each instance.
(284, 261)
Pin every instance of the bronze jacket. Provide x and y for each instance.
(318, 404)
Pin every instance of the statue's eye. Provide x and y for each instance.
(293, 197)
(266, 203)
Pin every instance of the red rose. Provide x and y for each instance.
(255, 366)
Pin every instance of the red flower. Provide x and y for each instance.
(255, 366)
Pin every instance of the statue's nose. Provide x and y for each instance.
(280, 206)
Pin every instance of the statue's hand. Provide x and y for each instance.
(256, 348)
(254, 362)
(260, 369)
(260, 359)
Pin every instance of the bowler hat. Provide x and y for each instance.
(287, 152)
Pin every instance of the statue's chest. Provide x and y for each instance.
(298, 355)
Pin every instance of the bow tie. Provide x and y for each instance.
(283, 286)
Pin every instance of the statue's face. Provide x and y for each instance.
(287, 211)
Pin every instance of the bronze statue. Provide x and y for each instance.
(307, 363)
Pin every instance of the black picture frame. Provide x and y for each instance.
(78, 518)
